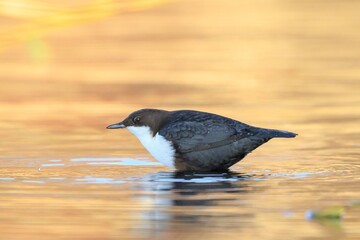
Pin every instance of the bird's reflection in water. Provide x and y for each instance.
(204, 199)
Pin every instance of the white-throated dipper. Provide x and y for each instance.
(196, 141)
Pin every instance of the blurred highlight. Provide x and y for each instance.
(42, 17)
(70, 68)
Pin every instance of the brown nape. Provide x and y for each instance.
(156, 120)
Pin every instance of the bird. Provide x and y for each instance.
(195, 141)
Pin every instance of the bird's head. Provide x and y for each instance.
(151, 118)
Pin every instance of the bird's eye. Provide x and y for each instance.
(136, 119)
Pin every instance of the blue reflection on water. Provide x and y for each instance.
(98, 180)
(171, 177)
(295, 175)
(52, 164)
(116, 161)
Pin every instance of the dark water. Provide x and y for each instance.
(275, 64)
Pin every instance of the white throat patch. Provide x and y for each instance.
(160, 148)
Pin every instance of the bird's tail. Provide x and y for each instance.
(281, 134)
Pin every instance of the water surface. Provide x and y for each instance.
(275, 64)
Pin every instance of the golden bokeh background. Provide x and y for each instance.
(68, 69)
(60, 59)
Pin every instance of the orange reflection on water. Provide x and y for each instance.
(274, 64)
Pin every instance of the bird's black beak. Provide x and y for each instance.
(116, 125)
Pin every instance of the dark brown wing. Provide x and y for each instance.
(210, 142)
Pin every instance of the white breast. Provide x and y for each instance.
(160, 148)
